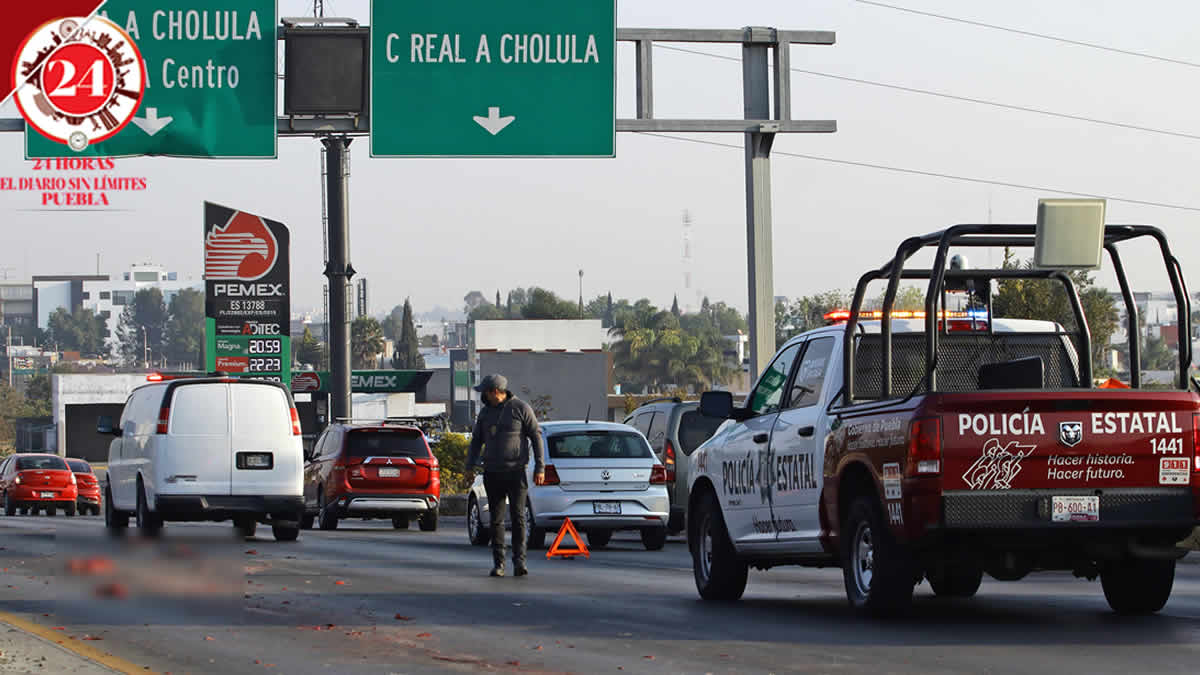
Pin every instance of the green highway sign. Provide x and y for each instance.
(210, 81)
(479, 78)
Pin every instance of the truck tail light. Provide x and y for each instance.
(295, 422)
(669, 461)
(1195, 443)
(658, 475)
(925, 447)
(551, 475)
(164, 416)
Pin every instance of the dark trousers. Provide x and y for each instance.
(510, 486)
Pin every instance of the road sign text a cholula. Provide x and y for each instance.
(507, 48)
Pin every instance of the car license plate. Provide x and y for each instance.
(389, 472)
(607, 507)
(258, 461)
(1074, 509)
(49, 495)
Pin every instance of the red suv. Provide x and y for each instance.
(33, 482)
(359, 470)
(89, 487)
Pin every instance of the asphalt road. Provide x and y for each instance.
(368, 599)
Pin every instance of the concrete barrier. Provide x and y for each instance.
(453, 505)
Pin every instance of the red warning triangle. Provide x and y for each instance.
(568, 528)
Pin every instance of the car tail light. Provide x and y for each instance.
(669, 461)
(551, 475)
(295, 422)
(658, 475)
(18, 480)
(164, 416)
(925, 447)
(1195, 443)
(73, 481)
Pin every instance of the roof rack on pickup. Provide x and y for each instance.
(1007, 235)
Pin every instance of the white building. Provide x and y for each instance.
(103, 295)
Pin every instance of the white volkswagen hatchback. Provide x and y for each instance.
(601, 475)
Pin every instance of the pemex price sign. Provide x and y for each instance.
(210, 82)
(247, 296)
(480, 78)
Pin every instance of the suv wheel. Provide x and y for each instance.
(477, 534)
(1138, 586)
(654, 538)
(326, 517)
(428, 521)
(876, 569)
(719, 574)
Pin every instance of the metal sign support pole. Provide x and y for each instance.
(339, 272)
(761, 281)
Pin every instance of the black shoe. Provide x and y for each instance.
(497, 572)
(520, 571)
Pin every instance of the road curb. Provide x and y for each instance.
(56, 655)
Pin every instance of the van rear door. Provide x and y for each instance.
(195, 458)
(266, 458)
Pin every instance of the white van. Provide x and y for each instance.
(206, 449)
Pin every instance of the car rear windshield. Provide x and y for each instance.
(695, 428)
(41, 464)
(599, 445)
(79, 466)
(387, 443)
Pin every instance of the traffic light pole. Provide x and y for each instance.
(339, 272)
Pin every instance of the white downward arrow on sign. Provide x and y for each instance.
(494, 123)
(152, 123)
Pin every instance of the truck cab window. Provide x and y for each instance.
(810, 375)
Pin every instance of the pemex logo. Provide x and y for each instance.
(244, 248)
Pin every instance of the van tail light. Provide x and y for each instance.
(669, 461)
(295, 422)
(164, 416)
(1195, 443)
(551, 475)
(658, 475)
(925, 447)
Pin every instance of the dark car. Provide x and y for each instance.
(371, 470)
(88, 500)
(37, 482)
(674, 428)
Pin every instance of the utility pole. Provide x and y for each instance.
(581, 294)
(145, 351)
(8, 355)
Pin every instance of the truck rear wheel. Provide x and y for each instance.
(959, 580)
(1137, 586)
(719, 574)
(877, 570)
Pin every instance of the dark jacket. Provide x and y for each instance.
(505, 433)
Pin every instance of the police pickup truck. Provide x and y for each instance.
(950, 443)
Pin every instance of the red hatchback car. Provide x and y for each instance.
(371, 471)
(35, 482)
(89, 487)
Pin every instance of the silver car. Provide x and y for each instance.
(601, 475)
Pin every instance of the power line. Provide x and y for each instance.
(1043, 36)
(933, 174)
(954, 97)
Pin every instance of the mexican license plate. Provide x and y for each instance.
(49, 495)
(607, 508)
(389, 472)
(1074, 509)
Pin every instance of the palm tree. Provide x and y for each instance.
(366, 342)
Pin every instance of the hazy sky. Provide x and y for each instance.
(435, 229)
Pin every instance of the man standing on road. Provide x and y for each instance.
(506, 429)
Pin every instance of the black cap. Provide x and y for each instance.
(490, 382)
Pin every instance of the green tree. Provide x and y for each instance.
(366, 342)
(807, 312)
(451, 452)
(82, 331)
(486, 313)
(498, 305)
(37, 395)
(659, 351)
(13, 406)
(473, 300)
(310, 351)
(1046, 300)
(544, 304)
(185, 328)
(393, 322)
(408, 352)
(143, 324)
(675, 306)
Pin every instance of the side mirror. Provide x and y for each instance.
(718, 404)
(104, 425)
